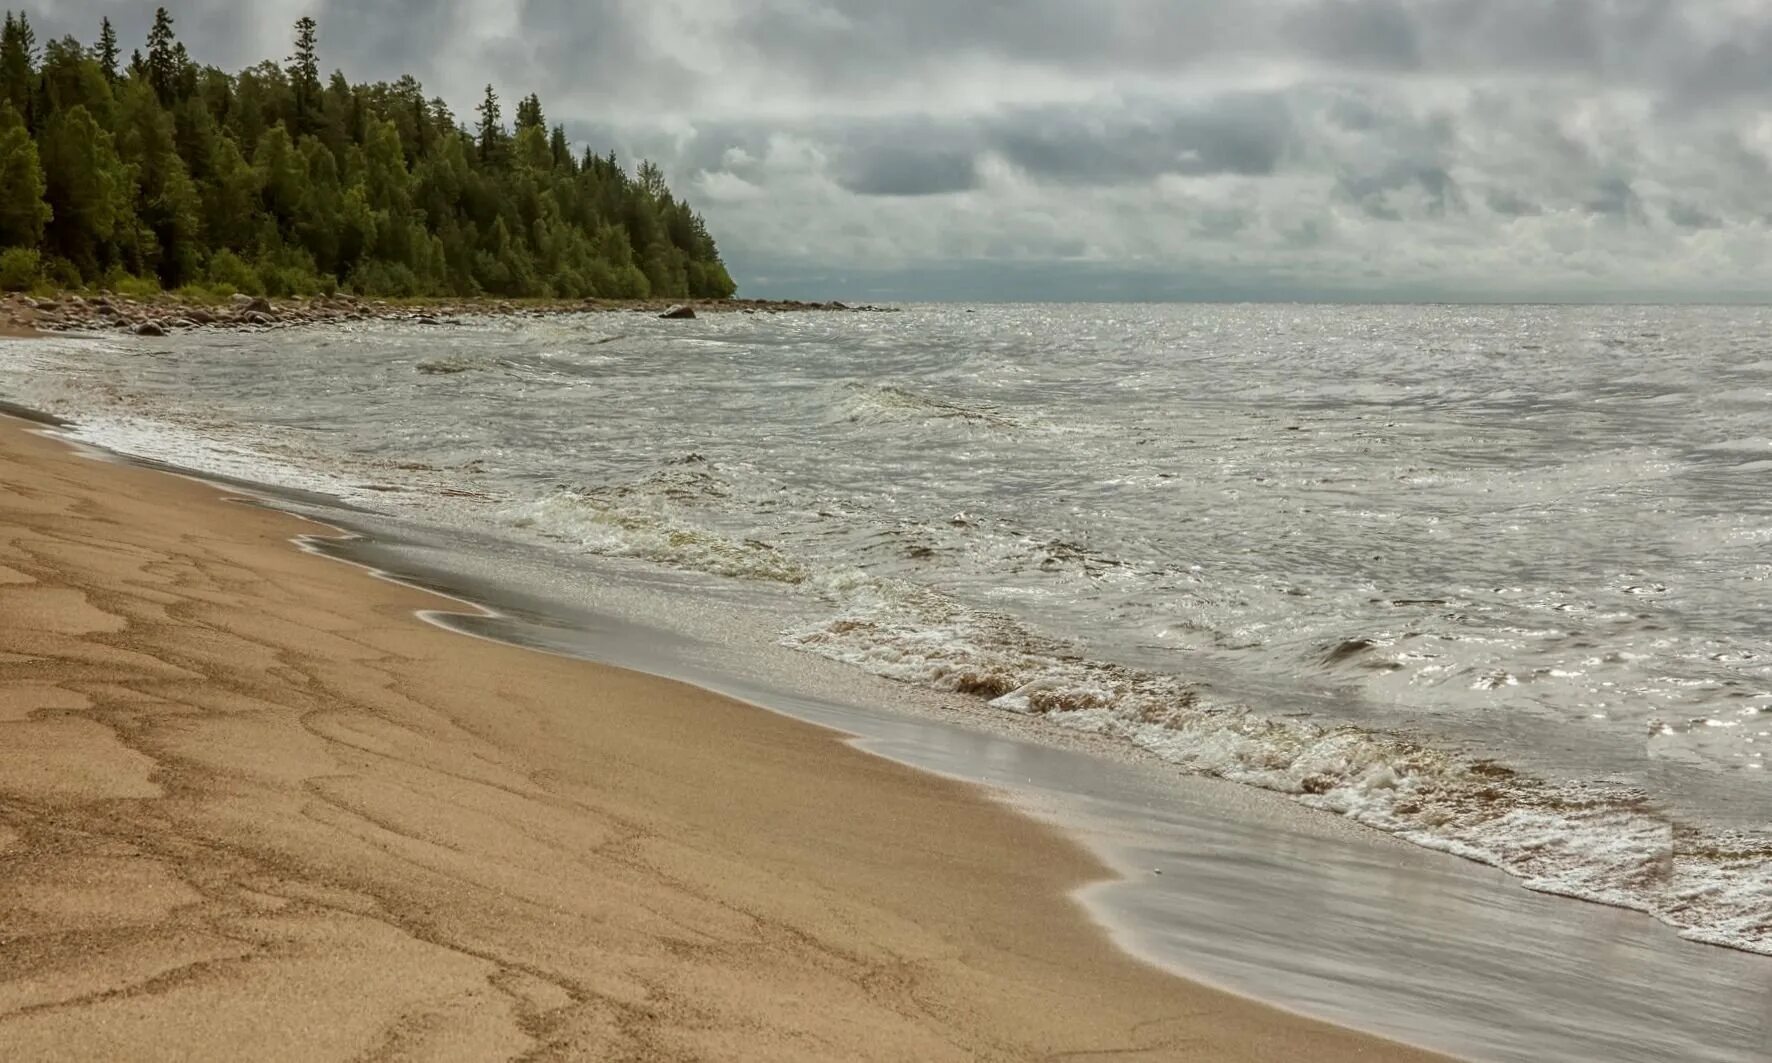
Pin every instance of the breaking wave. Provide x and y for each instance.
(1606, 844)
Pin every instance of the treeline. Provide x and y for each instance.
(155, 170)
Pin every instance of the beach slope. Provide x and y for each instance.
(252, 808)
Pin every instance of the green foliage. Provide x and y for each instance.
(59, 273)
(132, 286)
(230, 271)
(19, 268)
(22, 210)
(164, 173)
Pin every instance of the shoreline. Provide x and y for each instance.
(298, 776)
(77, 313)
(1216, 882)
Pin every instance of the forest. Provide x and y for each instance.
(151, 172)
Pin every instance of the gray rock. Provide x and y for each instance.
(148, 328)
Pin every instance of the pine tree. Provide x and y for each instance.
(18, 60)
(162, 64)
(106, 53)
(491, 126)
(529, 114)
(304, 74)
(562, 151)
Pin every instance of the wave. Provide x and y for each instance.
(1597, 842)
(892, 404)
(641, 521)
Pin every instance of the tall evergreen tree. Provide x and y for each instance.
(162, 62)
(492, 128)
(106, 52)
(18, 60)
(304, 74)
(529, 114)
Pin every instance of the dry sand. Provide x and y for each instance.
(252, 809)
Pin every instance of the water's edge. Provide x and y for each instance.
(1220, 883)
(1391, 693)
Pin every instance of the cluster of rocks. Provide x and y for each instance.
(162, 315)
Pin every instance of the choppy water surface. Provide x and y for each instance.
(1497, 580)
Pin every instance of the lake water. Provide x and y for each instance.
(1495, 580)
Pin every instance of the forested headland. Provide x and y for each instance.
(151, 171)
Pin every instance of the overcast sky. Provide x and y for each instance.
(1461, 149)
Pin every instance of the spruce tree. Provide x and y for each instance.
(491, 126)
(529, 114)
(304, 74)
(162, 63)
(18, 60)
(106, 53)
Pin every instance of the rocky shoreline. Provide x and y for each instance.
(163, 315)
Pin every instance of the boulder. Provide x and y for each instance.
(240, 299)
(200, 316)
(679, 313)
(148, 328)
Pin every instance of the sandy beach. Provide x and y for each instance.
(252, 808)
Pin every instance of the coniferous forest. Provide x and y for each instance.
(146, 170)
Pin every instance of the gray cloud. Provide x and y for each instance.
(1237, 147)
(909, 171)
(1376, 33)
(1235, 134)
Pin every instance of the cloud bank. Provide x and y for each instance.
(1415, 149)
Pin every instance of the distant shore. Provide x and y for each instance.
(165, 314)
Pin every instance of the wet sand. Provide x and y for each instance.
(251, 808)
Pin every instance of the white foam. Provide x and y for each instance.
(1598, 843)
